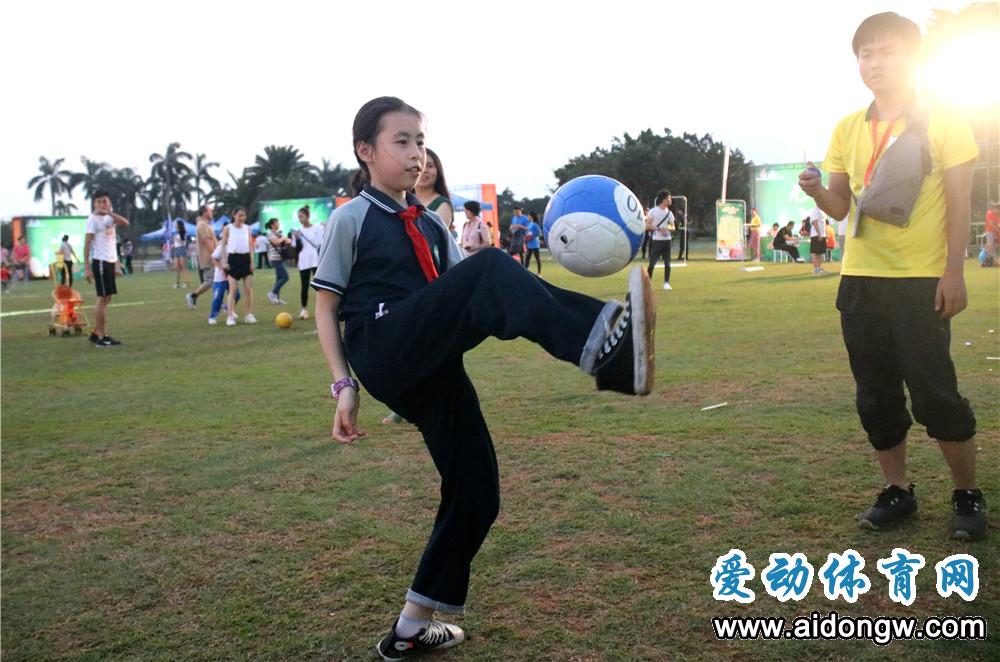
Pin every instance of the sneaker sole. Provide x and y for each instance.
(868, 526)
(643, 328)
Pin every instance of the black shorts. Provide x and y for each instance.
(104, 277)
(817, 246)
(239, 265)
(893, 336)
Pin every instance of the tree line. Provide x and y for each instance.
(179, 182)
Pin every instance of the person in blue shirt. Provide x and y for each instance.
(533, 242)
(411, 306)
(518, 230)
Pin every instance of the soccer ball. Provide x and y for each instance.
(594, 225)
(283, 321)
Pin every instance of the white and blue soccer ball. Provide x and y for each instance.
(594, 225)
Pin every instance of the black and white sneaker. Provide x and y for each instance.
(970, 520)
(436, 636)
(893, 505)
(191, 301)
(94, 339)
(107, 341)
(619, 352)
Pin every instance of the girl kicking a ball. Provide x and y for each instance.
(390, 270)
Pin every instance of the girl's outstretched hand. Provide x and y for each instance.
(345, 419)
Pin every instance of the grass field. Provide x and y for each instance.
(179, 497)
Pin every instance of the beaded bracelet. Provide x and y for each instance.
(341, 384)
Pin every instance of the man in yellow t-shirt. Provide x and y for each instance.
(206, 245)
(900, 286)
(755, 235)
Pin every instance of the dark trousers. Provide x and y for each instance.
(410, 358)
(262, 261)
(538, 259)
(67, 269)
(793, 251)
(305, 276)
(645, 243)
(683, 250)
(894, 336)
(657, 250)
(128, 264)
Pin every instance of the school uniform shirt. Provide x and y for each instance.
(664, 218)
(535, 232)
(312, 239)
(367, 257)
(105, 244)
(260, 244)
(884, 250)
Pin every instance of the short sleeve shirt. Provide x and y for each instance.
(663, 218)
(206, 235)
(312, 239)
(367, 257)
(920, 249)
(535, 233)
(105, 244)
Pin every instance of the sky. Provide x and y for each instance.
(511, 90)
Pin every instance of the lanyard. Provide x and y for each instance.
(879, 146)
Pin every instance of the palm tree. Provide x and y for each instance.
(173, 176)
(56, 180)
(279, 163)
(64, 208)
(337, 179)
(127, 185)
(95, 176)
(200, 174)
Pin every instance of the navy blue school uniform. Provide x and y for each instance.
(405, 337)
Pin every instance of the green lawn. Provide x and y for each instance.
(179, 497)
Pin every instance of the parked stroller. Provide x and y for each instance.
(67, 312)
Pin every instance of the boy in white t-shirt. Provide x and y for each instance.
(817, 240)
(220, 286)
(100, 258)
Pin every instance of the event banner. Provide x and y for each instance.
(730, 215)
(287, 212)
(44, 236)
(777, 196)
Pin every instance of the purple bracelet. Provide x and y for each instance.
(341, 384)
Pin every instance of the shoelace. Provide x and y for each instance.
(618, 332)
(967, 503)
(436, 634)
(889, 496)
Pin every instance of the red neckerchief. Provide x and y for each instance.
(420, 247)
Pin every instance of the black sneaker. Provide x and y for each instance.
(107, 341)
(969, 521)
(892, 506)
(624, 360)
(94, 339)
(434, 637)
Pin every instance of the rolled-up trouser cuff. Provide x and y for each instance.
(424, 601)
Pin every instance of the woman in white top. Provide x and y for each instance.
(69, 257)
(179, 253)
(237, 245)
(309, 239)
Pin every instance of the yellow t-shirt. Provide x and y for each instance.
(884, 250)
(755, 222)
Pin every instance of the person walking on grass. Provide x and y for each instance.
(275, 243)
(237, 262)
(309, 238)
(900, 284)
(412, 306)
(660, 223)
(533, 242)
(205, 236)
(69, 258)
(179, 254)
(100, 253)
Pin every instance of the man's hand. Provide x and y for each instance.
(88, 274)
(345, 419)
(951, 297)
(811, 180)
